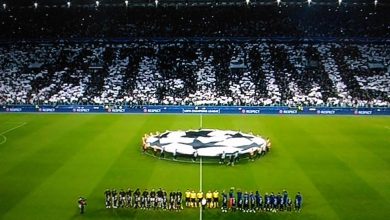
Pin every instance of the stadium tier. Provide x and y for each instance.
(184, 98)
(195, 73)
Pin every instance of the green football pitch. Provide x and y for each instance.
(341, 165)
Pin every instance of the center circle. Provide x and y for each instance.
(205, 143)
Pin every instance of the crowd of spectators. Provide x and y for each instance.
(193, 73)
(201, 21)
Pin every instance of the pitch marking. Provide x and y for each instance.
(200, 186)
(200, 172)
(2, 134)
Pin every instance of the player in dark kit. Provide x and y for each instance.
(107, 195)
(298, 202)
(246, 202)
(239, 200)
(179, 198)
(160, 195)
(224, 202)
(279, 202)
(152, 199)
(252, 202)
(115, 198)
(267, 200)
(285, 197)
(223, 156)
(137, 199)
(165, 202)
(129, 198)
(259, 201)
(272, 201)
(172, 198)
(144, 202)
(289, 204)
(82, 203)
(122, 198)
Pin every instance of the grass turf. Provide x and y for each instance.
(340, 164)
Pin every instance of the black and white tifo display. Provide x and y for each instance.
(205, 142)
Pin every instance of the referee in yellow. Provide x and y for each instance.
(188, 197)
(215, 199)
(193, 199)
(199, 196)
(209, 197)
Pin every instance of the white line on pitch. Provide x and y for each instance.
(200, 172)
(11, 129)
(200, 186)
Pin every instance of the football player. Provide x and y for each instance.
(224, 202)
(298, 202)
(107, 194)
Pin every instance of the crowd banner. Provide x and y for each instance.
(178, 109)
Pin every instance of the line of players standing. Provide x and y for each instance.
(146, 200)
(252, 202)
(246, 202)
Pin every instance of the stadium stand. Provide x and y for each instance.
(264, 55)
(219, 73)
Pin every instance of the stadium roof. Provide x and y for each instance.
(259, 2)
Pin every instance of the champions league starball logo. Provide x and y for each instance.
(206, 142)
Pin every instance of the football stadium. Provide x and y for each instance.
(194, 109)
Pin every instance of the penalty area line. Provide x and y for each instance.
(2, 134)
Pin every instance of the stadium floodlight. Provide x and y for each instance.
(127, 3)
(35, 4)
(248, 1)
(68, 4)
(156, 2)
(97, 3)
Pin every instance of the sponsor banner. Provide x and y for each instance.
(116, 110)
(152, 110)
(203, 110)
(287, 112)
(361, 112)
(46, 109)
(198, 110)
(81, 110)
(250, 111)
(326, 112)
(14, 109)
